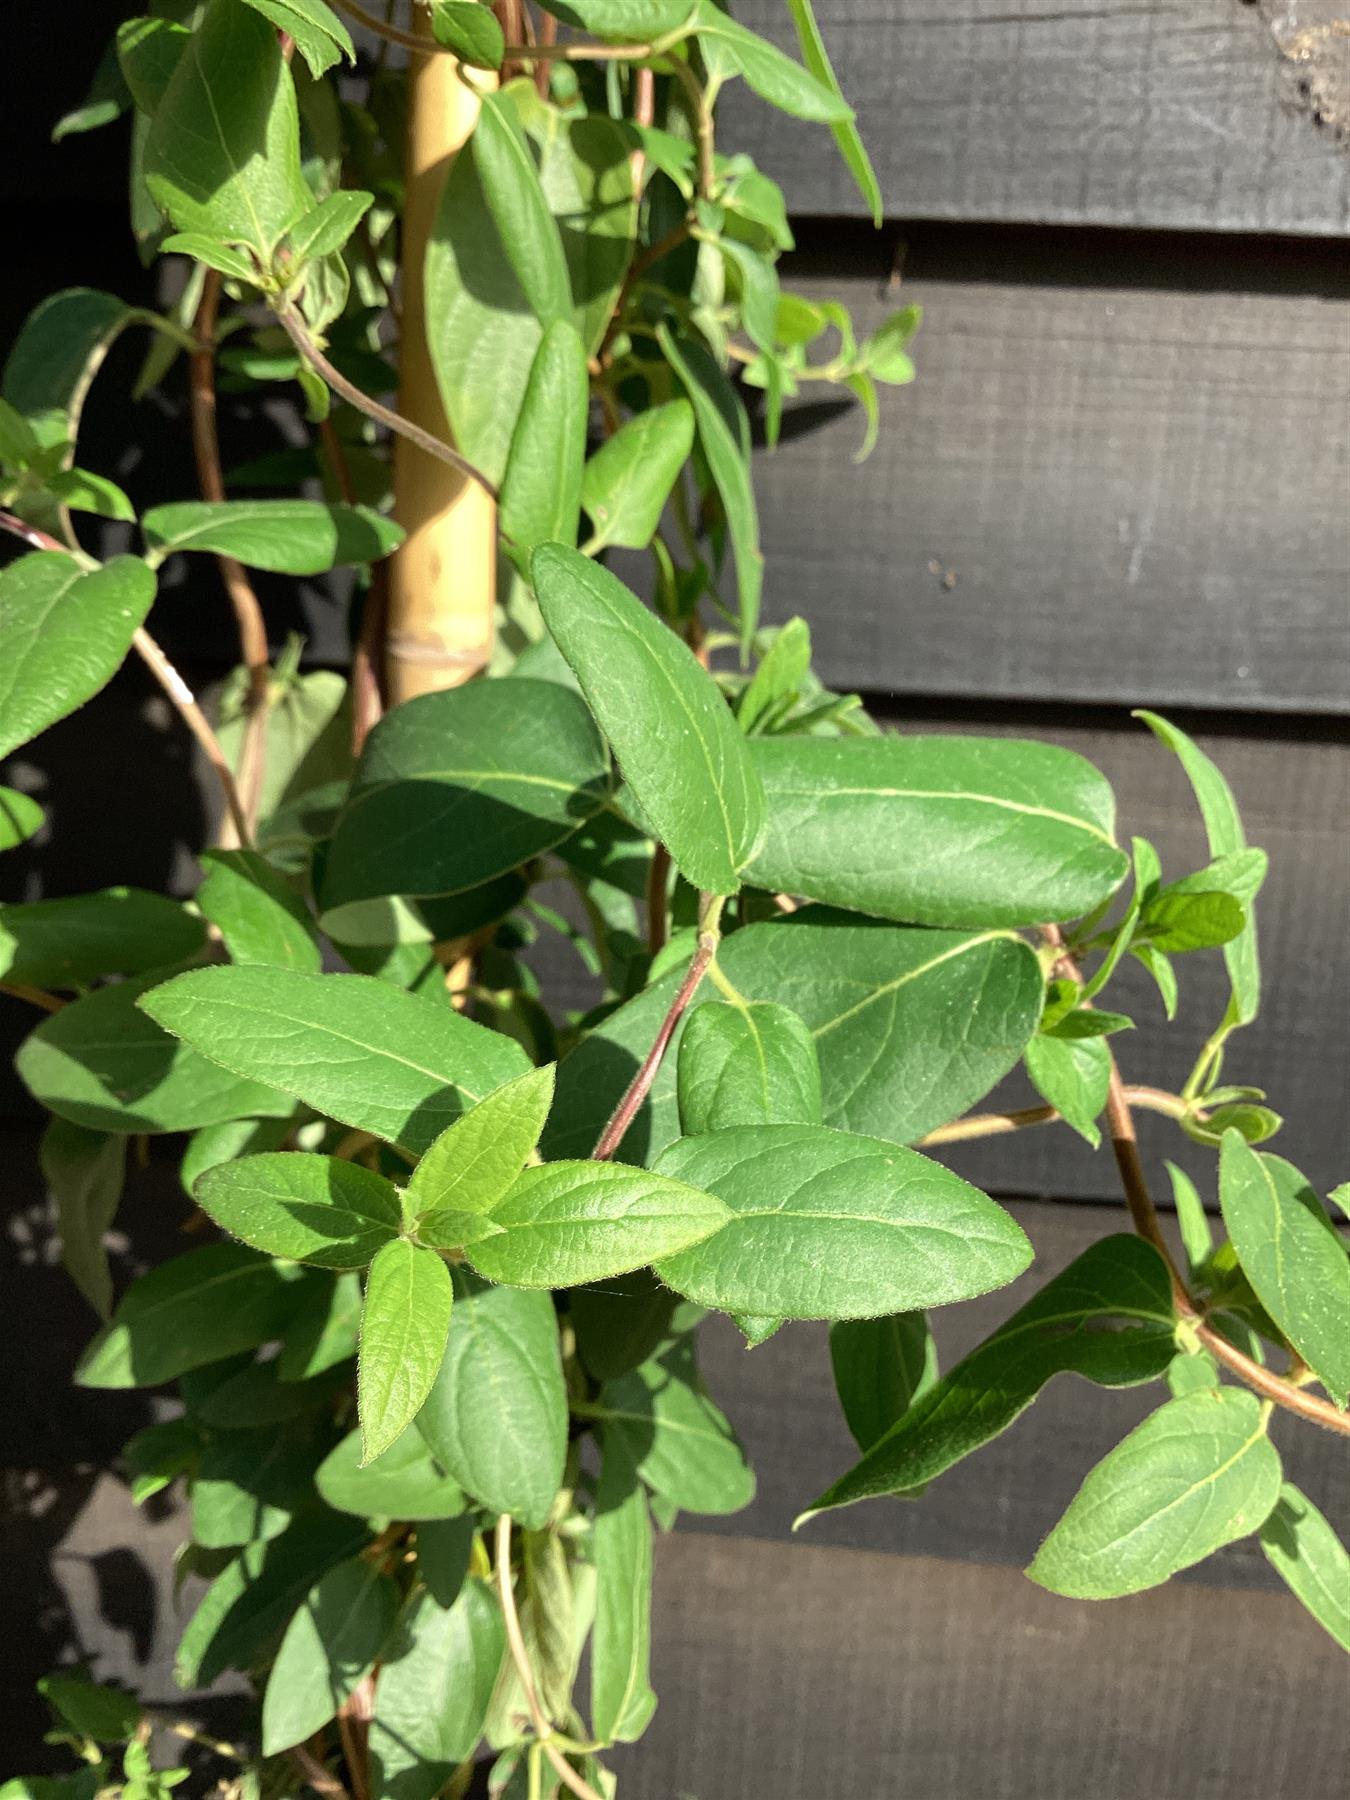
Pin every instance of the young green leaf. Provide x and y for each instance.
(470, 30)
(236, 264)
(105, 1714)
(520, 210)
(1175, 923)
(1303, 1549)
(881, 1368)
(473, 1164)
(102, 1063)
(330, 1645)
(885, 352)
(303, 1208)
(20, 818)
(622, 1700)
(404, 1323)
(937, 830)
(351, 1046)
(457, 788)
(1197, 1474)
(773, 76)
(571, 1222)
(403, 1483)
(223, 151)
(82, 491)
(1292, 1256)
(191, 1310)
(64, 633)
(84, 1171)
(747, 1065)
(541, 489)
(667, 723)
(435, 1686)
(1073, 1075)
(118, 931)
(627, 481)
(289, 537)
(325, 231)
(259, 915)
(496, 1415)
(1196, 1237)
(782, 670)
(1107, 1317)
(319, 34)
(844, 131)
(826, 1225)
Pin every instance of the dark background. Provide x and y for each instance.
(1120, 480)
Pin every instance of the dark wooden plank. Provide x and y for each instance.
(997, 1505)
(1096, 111)
(790, 1672)
(1120, 490)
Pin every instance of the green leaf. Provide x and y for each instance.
(436, 1683)
(351, 1046)
(520, 210)
(456, 788)
(303, 1208)
(118, 931)
(156, 1456)
(571, 1222)
(473, 1164)
(106, 100)
(56, 355)
(191, 1310)
(255, 1395)
(1190, 1371)
(845, 132)
(84, 1171)
(1107, 1317)
(496, 1415)
(619, 1323)
(637, 21)
(470, 30)
(19, 443)
(324, 231)
(1160, 968)
(101, 1062)
(403, 1483)
(628, 480)
(881, 1368)
(320, 36)
(223, 1143)
(289, 537)
(1073, 1075)
(674, 1436)
(203, 249)
(1175, 923)
(249, 1483)
(827, 1225)
(747, 1065)
(937, 830)
(63, 635)
(148, 52)
(1223, 828)
(105, 1714)
(758, 281)
(20, 818)
(223, 153)
(1303, 1549)
(82, 491)
(1292, 1256)
(1197, 1474)
(404, 1323)
(773, 76)
(259, 916)
(782, 670)
(541, 489)
(1196, 1237)
(330, 1645)
(445, 1548)
(322, 1330)
(667, 723)
(622, 1700)
(724, 434)
(884, 353)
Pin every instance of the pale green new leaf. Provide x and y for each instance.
(404, 1323)
(666, 721)
(117, 931)
(541, 489)
(1292, 1256)
(64, 632)
(259, 916)
(289, 537)
(828, 1225)
(351, 1046)
(1196, 1237)
(520, 210)
(678, 1441)
(313, 1209)
(436, 1683)
(329, 1646)
(84, 1171)
(622, 1700)
(20, 818)
(223, 153)
(1303, 1549)
(403, 1483)
(845, 132)
(779, 677)
(773, 76)
(325, 231)
(83, 491)
(1073, 1075)
(937, 830)
(881, 1368)
(572, 1222)
(747, 1065)
(1197, 1474)
(496, 1415)
(473, 1164)
(319, 34)
(628, 480)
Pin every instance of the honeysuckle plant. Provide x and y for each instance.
(433, 1355)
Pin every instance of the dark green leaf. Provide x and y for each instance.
(1307, 1554)
(675, 1437)
(248, 1483)
(1073, 1075)
(58, 351)
(329, 1646)
(541, 489)
(881, 1368)
(260, 917)
(622, 1700)
(404, 1323)
(303, 1208)
(105, 1714)
(638, 21)
(289, 537)
(520, 210)
(620, 1322)
(747, 1065)
(148, 51)
(322, 1330)
(119, 931)
(445, 1548)
(106, 100)
(319, 34)
(402, 1483)
(779, 677)
(85, 1171)
(628, 480)
(470, 30)
(435, 1686)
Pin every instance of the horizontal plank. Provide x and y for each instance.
(786, 1672)
(1091, 112)
(1100, 487)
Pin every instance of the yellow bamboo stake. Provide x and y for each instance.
(442, 586)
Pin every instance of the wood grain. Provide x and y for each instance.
(1172, 113)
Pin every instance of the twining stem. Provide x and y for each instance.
(1144, 1216)
(35, 996)
(709, 936)
(520, 1656)
(983, 1125)
(294, 328)
(316, 1775)
(248, 613)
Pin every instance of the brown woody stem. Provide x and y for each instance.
(35, 996)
